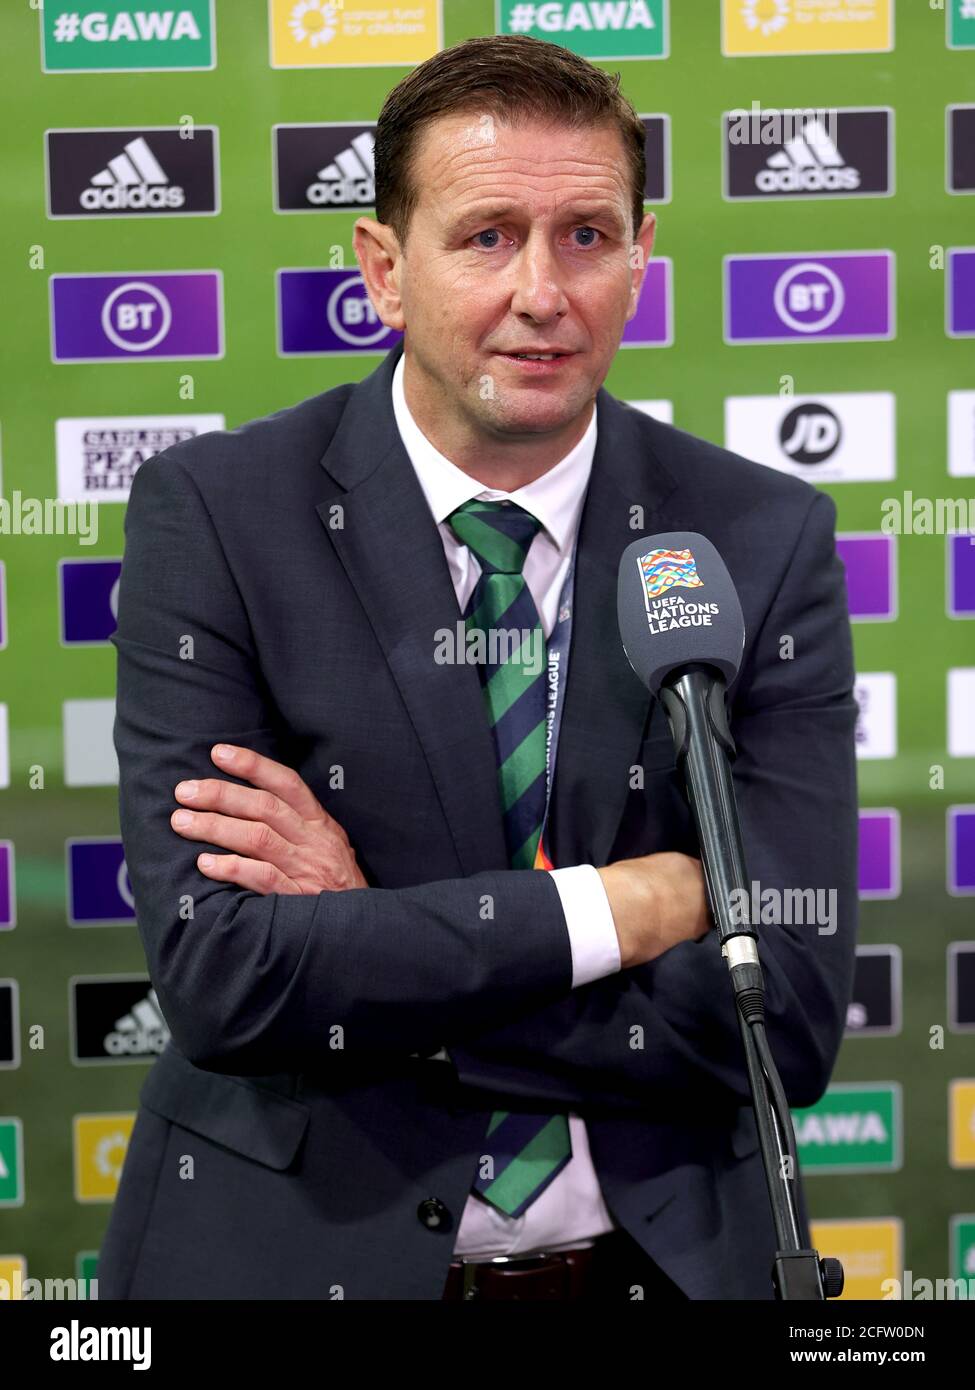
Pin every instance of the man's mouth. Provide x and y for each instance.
(536, 356)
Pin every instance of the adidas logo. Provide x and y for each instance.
(131, 181)
(810, 163)
(350, 178)
(137, 1033)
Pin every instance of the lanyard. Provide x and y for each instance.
(557, 669)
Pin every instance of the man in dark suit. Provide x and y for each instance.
(447, 1018)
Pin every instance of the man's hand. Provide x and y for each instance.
(283, 839)
(657, 902)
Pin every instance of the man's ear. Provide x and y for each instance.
(640, 253)
(378, 252)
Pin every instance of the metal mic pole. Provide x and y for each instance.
(694, 701)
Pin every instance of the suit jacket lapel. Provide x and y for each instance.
(390, 548)
(606, 706)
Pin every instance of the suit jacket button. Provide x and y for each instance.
(434, 1215)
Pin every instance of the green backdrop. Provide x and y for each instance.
(244, 96)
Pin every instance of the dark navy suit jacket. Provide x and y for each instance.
(332, 1153)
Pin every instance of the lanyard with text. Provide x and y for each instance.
(558, 661)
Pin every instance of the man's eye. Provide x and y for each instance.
(591, 232)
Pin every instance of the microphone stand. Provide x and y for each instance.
(694, 701)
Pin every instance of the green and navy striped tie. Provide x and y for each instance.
(527, 1150)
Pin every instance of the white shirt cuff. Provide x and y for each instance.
(589, 918)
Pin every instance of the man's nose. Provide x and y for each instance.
(538, 289)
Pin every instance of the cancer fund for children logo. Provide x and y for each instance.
(115, 36)
(331, 33)
(758, 28)
(100, 1146)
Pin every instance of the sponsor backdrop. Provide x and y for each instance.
(180, 186)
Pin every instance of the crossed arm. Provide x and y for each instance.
(257, 963)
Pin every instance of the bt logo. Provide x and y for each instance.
(351, 315)
(136, 316)
(809, 297)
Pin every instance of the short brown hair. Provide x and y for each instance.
(512, 77)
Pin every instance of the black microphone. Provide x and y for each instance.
(684, 633)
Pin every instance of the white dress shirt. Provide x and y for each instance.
(571, 1210)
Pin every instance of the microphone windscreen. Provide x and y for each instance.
(678, 607)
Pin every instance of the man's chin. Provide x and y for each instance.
(521, 424)
(527, 412)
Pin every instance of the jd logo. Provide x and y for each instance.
(810, 433)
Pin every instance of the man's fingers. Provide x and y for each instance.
(246, 803)
(251, 838)
(254, 874)
(273, 777)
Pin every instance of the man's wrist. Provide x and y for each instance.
(632, 904)
(589, 920)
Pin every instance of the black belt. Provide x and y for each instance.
(553, 1274)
